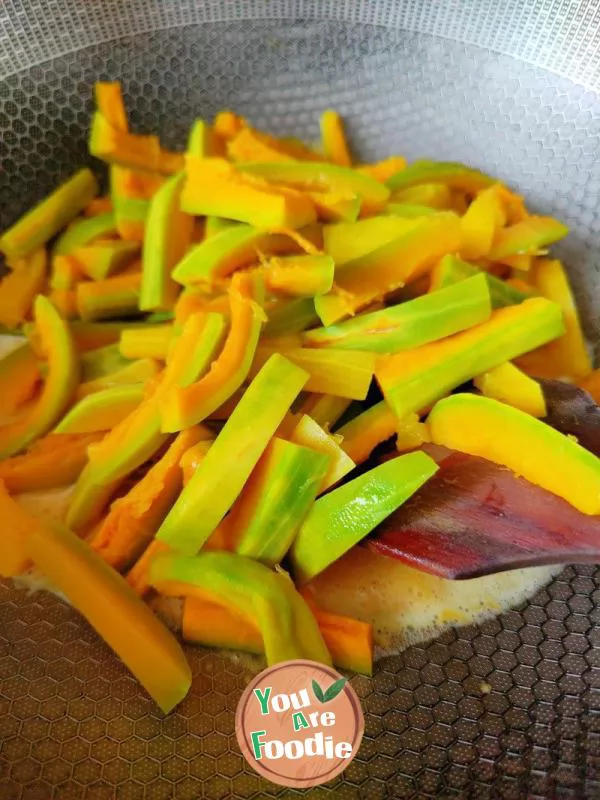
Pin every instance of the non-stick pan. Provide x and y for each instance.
(510, 709)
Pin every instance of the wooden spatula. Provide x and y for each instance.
(474, 518)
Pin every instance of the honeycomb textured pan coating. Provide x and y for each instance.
(73, 723)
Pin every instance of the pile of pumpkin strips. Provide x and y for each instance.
(192, 353)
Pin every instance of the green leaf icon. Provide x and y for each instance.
(334, 690)
(330, 693)
(318, 692)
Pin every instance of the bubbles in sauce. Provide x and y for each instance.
(406, 606)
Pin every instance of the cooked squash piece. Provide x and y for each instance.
(528, 236)
(276, 498)
(55, 460)
(323, 177)
(349, 641)
(59, 386)
(103, 259)
(209, 495)
(184, 406)
(408, 210)
(65, 302)
(268, 598)
(167, 237)
(86, 335)
(486, 428)
(325, 409)
(131, 192)
(136, 373)
(360, 436)
(201, 140)
(568, 355)
(482, 222)
(214, 225)
(234, 247)
(65, 272)
(19, 288)
(227, 125)
(126, 624)
(214, 186)
(102, 410)
(411, 433)
(289, 317)
(101, 361)
(45, 220)
(431, 195)
(138, 576)
(349, 240)
(190, 460)
(150, 341)
(99, 205)
(83, 232)
(382, 170)
(425, 319)
(252, 145)
(336, 207)
(339, 372)
(450, 270)
(19, 377)
(18, 524)
(134, 518)
(454, 175)
(370, 277)
(110, 103)
(308, 433)
(509, 385)
(333, 139)
(299, 276)
(113, 297)
(121, 147)
(345, 515)
(414, 379)
(138, 437)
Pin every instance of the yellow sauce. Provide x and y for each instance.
(407, 606)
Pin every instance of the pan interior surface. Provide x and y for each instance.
(506, 709)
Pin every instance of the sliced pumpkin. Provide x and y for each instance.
(349, 641)
(333, 139)
(275, 499)
(189, 405)
(511, 386)
(287, 626)
(59, 386)
(116, 612)
(19, 377)
(568, 355)
(308, 433)
(360, 436)
(17, 526)
(102, 410)
(489, 429)
(45, 220)
(214, 186)
(222, 474)
(20, 287)
(138, 437)
(134, 518)
(113, 297)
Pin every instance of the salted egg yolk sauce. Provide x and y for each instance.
(407, 606)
